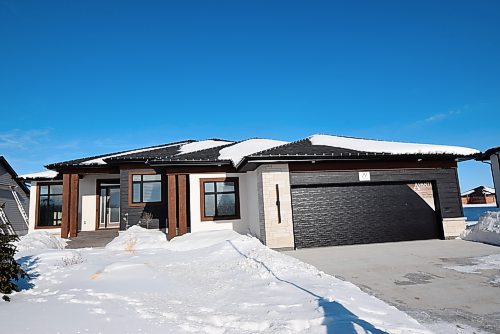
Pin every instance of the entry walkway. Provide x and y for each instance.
(99, 238)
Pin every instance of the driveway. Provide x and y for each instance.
(415, 276)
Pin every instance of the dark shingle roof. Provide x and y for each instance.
(304, 147)
(488, 153)
(123, 155)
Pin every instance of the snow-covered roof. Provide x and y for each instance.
(391, 147)
(201, 145)
(47, 174)
(100, 160)
(238, 151)
(218, 152)
(485, 190)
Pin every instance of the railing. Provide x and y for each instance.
(20, 206)
(6, 223)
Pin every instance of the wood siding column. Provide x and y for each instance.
(182, 181)
(66, 205)
(172, 206)
(73, 207)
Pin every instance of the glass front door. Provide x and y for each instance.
(109, 206)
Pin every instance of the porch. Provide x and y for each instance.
(99, 238)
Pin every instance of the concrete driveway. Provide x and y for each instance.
(415, 277)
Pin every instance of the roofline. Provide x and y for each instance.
(68, 162)
(488, 153)
(14, 175)
(189, 163)
(353, 157)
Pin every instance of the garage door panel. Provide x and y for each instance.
(343, 215)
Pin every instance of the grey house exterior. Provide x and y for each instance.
(10, 186)
(318, 191)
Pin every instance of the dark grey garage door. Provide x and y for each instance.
(358, 214)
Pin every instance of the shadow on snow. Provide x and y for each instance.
(337, 318)
(29, 264)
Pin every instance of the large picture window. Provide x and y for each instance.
(219, 199)
(49, 205)
(146, 188)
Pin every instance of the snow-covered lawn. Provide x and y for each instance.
(207, 282)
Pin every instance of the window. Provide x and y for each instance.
(49, 205)
(219, 199)
(146, 188)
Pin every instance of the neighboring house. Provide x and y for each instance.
(319, 191)
(479, 195)
(493, 156)
(14, 198)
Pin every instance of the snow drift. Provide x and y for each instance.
(487, 230)
(136, 238)
(214, 282)
(40, 240)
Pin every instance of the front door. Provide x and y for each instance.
(109, 206)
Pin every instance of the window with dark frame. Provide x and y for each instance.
(146, 188)
(220, 199)
(49, 205)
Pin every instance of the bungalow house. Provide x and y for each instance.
(14, 199)
(318, 191)
(479, 195)
(492, 156)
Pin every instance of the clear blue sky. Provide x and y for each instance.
(79, 78)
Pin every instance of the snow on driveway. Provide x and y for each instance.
(233, 284)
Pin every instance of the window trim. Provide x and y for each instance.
(130, 190)
(37, 211)
(237, 199)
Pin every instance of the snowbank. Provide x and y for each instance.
(136, 238)
(487, 230)
(202, 239)
(40, 240)
(237, 285)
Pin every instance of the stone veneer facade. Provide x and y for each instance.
(273, 233)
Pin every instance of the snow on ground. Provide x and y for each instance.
(483, 263)
(380, 146)
(231, 284)
(40, 240)
(136, 238)
(487, 230)
(489, 262)
(202, 145)
(238, 151)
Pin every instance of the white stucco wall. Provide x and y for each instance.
(252, 204)
(239, 225)
(32, 208)
(88, 200)
(32, 211)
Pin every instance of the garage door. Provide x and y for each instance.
(359, 214)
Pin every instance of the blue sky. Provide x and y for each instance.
(88, 77)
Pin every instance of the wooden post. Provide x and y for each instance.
(182, 180)
(65, 205)
(172, 206)
(73, 210)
